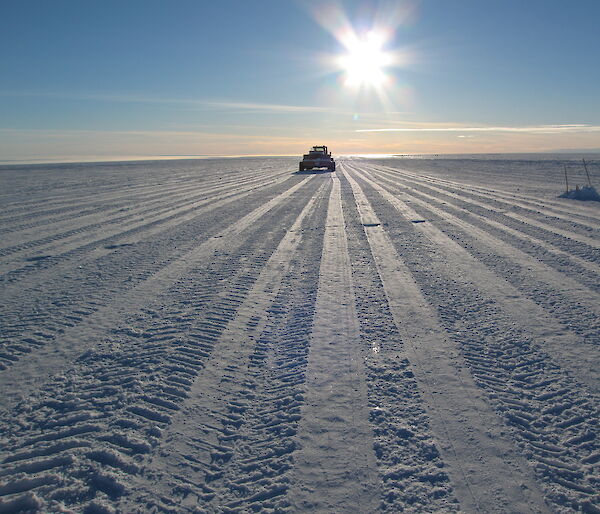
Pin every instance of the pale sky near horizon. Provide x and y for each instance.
(233, 77)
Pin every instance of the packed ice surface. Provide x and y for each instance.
(229, 335)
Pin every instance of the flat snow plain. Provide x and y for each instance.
(230, 335)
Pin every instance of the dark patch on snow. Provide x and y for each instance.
(38, 258)
(312, 172)
(112, 247)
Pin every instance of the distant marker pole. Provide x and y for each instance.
(566, 178)
(587, 173)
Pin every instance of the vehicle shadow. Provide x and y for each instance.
(312, 172)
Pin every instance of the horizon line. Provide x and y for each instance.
(84, 159)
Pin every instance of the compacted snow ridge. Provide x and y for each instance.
(228, 335)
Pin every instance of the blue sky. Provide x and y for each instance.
(149, 77)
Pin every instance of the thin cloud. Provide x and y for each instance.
(191, 102)
(267, 107)
(203, 135)
(538, 129)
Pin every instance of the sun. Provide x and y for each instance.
(365, 62)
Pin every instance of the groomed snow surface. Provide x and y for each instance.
(234, 336)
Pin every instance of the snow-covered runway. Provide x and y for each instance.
(231, 336)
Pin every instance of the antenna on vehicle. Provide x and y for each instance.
(566, 178)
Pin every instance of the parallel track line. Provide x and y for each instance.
(590, 266)
(335, 468)
(22, 376)
(539, 270)
(590, 241)
(551, 207)
(454, 402)
(563, 345)
(223, 385)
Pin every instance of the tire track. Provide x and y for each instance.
(467, 198)
(18, 379)
(144, 215)
(414, 475)
(502, 228)
(260, 474)
(133, 191)
(207, 440)
(76, 294)
(514, 354)
(550, 289)
(179, 367)
(134, 231)
(83, 441)
(454, 404)
(137, 194)
(560, 205)
(547, 207)
(92, 209)
(92, 204)
(564, 346)
(472, 199)
(334, 465)
(73, 183)
(30, 186)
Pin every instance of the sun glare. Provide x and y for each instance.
(366, 61)
(367, 57)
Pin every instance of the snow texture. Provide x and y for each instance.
(402, 335)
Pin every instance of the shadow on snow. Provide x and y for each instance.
(312, 172)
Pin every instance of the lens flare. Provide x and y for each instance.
(366, 61)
